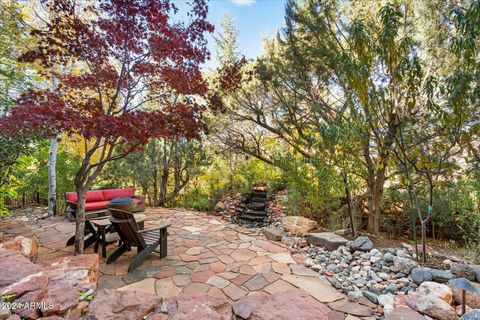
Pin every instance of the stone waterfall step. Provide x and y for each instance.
(256, 206)
(255, 213)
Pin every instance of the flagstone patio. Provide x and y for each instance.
(205, 255)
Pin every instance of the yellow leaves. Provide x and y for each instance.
(77, 146)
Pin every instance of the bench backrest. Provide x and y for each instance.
(101, 195)
(126, 227)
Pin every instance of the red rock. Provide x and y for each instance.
(262, 306)
(74, 270)
(32, 282)
(33, 296)
(404, 313)
(26, 246)
(58, 299)
(14, 267)
(121, 305)
(194, 306)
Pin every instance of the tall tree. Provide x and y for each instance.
(124, 54)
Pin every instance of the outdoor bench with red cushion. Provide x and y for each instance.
(97, 201)
(96, 207)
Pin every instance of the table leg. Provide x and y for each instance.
(104, 244)
(97, 242)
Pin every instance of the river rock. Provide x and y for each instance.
(420, 275)
(463, 270)
(441, 275)
(298, 225)
(471, 315)
(385, 299)
(476, 268)
(328, 240)
(362, 243)
(403, 265)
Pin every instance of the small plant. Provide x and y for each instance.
(86, 296)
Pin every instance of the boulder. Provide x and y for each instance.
(463, 270)
(420, 275)
(75, 271)
(403, 265)
(437, 290)
(361, 244)
(328, 240)
(14, 267)
(476, 269)
(273, 234)
(441, 275)
(473, 300)
(471, 315)
(261, 306)
(58, 299)
(298, 225)
(26, 246)
(436, 308)
(193, 306)
(220, 206)
(121, 305)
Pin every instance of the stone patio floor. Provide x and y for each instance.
(205, 255)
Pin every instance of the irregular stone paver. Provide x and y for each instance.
(351, 308)
(218, 282)
(166, 288)
(205, 256)
(317, 288)
(256, 283)
(147, 286)
(282, 257)
(234, 292)
(278, 286)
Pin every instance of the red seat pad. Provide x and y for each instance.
(137, 201)
(96, 205)
(72, 197)
(92, 196)
(116, 193)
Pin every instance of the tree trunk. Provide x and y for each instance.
(80, 221)
(349, 204)
(52, 177)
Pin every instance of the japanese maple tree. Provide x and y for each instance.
(127, 71)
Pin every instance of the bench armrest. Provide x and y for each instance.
(163, 226)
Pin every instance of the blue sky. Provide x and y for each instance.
(254, 19)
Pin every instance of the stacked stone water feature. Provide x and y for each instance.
(254, 206)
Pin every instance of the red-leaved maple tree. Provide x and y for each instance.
(126, 71)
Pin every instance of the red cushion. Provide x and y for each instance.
(95, 196)
(72, 197)
(90, 206)
(92, 196)
(137, 201)
(115, 193)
